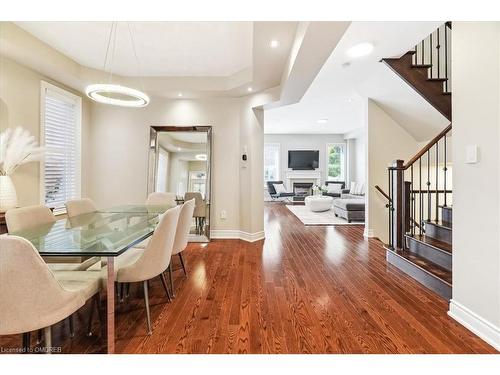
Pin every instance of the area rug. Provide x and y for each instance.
(308, 217)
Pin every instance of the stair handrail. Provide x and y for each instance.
(426, 148)
(383, 193)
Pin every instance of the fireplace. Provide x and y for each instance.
(301, 190)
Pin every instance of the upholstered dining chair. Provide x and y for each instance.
(159, 198)
(181, 236)
(82, 206)
(142, 265)
(199, 209)
(32, 297)
(19, 219)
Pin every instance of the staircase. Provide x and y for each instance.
(420, 196)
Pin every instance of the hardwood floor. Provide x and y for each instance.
(315, 289)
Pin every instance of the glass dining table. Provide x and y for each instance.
(106, 233)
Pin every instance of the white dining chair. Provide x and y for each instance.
(159, 198)
(82, 206)
(181, 236)
(200, 210)
(32, 297)
(145, 264)
(24, 218)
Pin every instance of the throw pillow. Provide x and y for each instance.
(360, 187)
(353, 188)
(279, 188)
(334, 188)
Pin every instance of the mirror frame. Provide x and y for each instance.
(153, 160)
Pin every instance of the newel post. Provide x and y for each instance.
(397, 196)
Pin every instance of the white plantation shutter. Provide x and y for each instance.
(61, 121)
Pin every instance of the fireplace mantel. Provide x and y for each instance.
(302, 176)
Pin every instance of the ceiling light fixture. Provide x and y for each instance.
(274, 43)
(322, 121)
(179, 95)
(359, 50)
(249, 89)
(201, 157)
(113, 94)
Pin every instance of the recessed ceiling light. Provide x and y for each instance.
(249, 89)
(361, 49)
(274, 43)
(178, 148)
(179, 95)
(322, 121)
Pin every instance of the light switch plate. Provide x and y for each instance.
(471, 154)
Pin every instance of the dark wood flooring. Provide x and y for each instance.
(315, 289)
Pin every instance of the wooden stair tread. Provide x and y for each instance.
(432, 242)
(440, 223)
(432, 268)
(426, 66)
(437, 79)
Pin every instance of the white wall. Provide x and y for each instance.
(303, 142)
(386, 141)
(476, 190)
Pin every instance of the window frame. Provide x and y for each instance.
(327, 159)
(278, 171)
(65, 95)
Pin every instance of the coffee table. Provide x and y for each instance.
(318, 203)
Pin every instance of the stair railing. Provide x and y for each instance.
(435, 51)
(417, 189)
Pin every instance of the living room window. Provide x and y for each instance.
(336, 161)
(61, 135)
(271, 162)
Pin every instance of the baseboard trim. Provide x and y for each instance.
(368, 233)
(476, 324)
(237, 234)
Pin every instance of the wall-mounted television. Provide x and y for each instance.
(303, 159)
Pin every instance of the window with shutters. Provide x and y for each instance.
(60, 134)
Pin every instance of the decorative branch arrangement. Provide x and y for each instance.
(17, 147)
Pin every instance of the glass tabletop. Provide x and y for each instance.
(137, 208)
(94, 234)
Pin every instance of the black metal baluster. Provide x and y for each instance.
(438, 46)
(423, 52)
(437, 181)
(446, 57)
(445, 169)
(420, 205)
(428, 186)
(430, 49)
(412, 203)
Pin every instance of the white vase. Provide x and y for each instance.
(8, 196)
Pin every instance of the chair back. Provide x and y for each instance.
(270, 186)
(80, 207)
(23, 218)
(199, 203)
(158, 198)
(183, 226)
(30, 296)
(156, 256)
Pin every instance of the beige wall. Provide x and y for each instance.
(119, 155)
(476, 190)
(386, 141)
(20, 106)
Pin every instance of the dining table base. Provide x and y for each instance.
(110, 306)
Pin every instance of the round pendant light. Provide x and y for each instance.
(114, 94)
(117, 95)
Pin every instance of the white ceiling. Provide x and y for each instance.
(339, 91)
(209, 49)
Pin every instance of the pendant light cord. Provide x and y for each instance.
(136, 56)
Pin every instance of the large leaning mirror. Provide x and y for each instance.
(179, 163)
